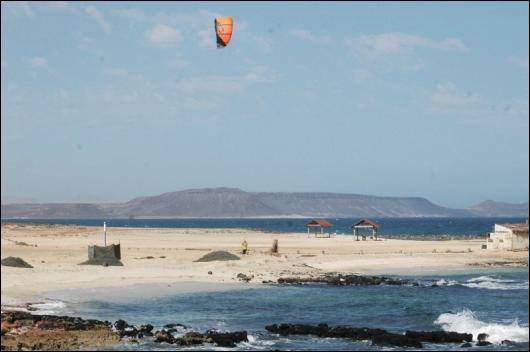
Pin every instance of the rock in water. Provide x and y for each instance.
(483, 343)
(192, 338)
(164, 336)
(218, 256)
(482, 337)
(120, 324)
(344, 280)
(439, 336)
(146, 330)
(228, 339)
(15, 262)
(397, 340)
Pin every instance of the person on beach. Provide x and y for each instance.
(244, 247)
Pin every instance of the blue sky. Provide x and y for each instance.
(109, 101)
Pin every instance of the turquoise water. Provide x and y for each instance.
(492, 301)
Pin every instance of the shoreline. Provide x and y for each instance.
(162, 256)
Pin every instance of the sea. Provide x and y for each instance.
(478, 300)
(389, 227)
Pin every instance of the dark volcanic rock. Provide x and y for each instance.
(164, 336)
(439, 336)
(126, 330)
(228, 339)
(129, 331)
(173, 325)
(378, 336)
(345, 280)
(390, 339)
(509, 343)
(120, 324)
(467, 344)
(192, 338)
(146, 330)
(482, 337)
(172, 328)
(483, 343)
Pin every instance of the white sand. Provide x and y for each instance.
(60, 248)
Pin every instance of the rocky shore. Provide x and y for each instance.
(380, 337)
(346, 280)
(24, 331)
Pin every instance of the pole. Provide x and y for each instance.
(105, 233)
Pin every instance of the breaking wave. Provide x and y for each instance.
(491, 283)
(48, 308)
(466, 322)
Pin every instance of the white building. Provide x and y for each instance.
(508, 237)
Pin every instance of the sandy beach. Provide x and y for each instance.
(56, 250)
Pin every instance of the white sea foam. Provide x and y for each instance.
(48, 308)
(488, 278)
(444, 282)
(491, 283)
(256, 343)
(466, 322)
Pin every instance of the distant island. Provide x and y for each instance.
(236, 203)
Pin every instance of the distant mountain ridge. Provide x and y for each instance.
(234, 202)
(492, 208)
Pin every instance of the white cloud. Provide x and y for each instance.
(26, 8)
(17, 8)
(38, 61)
(361, 75)
(308, 36)
(262, 43)
(378, 45)
(118, 72)
(98, 16)
(198, 25)
(206, 39)
(62, 5)
(179, 62)
(303, 34)
(163, 36)
(471, 108)
(521, 62)
(447, 96)
(224, 84)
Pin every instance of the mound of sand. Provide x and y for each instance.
(218, 256)
(16, 262)
(110, 261)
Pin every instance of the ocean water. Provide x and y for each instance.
(492, 301)
(457, 227)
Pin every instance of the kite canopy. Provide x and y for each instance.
(223, 30)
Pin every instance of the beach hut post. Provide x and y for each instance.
(365, 223)
(104, 233)
(317, 223)
(355, 233)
